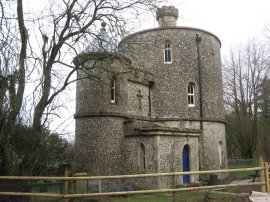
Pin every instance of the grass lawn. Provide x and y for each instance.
(180, 197)
(163, 197)
(188, 196)
(196, 196)
(242, 174)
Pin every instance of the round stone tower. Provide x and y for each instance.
(99, 119)
(188, 91)
(158, 102)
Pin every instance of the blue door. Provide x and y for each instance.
(186, 166)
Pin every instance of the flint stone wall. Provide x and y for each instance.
(214, 137)
(93, 97)
(99, 148)
(169, 94)
(103, 146)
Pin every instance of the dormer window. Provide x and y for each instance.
(191, 95)
(167, 53)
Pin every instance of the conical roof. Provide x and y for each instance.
(102, 43)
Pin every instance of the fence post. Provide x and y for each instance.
(66, 184)
(173, 187)
(267, 177)
(81, 185)
(99, 185)
(262, 174)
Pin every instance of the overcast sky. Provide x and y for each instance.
(233, 21)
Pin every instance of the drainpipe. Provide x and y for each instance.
(151, 84)
(201, 142)
(198, 40)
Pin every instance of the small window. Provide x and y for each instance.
(113, 89)
(191, 95)
(167, 53)
(220, 152)
(142, 158)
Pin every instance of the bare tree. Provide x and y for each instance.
(12, 76)
(243, 74)
(71, 23)
(36, 53)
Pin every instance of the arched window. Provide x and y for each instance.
(167, 53)
(113, 90)
(142, 158)
(220, 152)
(191, 95)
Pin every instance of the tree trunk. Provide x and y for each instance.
(21, 72)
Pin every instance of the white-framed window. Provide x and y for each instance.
(113, 90)
(167, 53)
(191, 95)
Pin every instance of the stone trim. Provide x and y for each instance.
(110, 114)
(139, 82)
(170, 130)
(177, 119)
(142, 118)
(99, 56)
(164, 28)
(165, 131)
(149, 133)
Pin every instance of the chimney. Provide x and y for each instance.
(167, 16)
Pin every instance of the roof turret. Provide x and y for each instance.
(103, 42)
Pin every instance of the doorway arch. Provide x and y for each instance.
(186, 163)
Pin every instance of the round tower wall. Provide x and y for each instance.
(213, 147)
(169, 94)
(99, 148)
(93, 95)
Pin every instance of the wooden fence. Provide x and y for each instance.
(262, 169)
